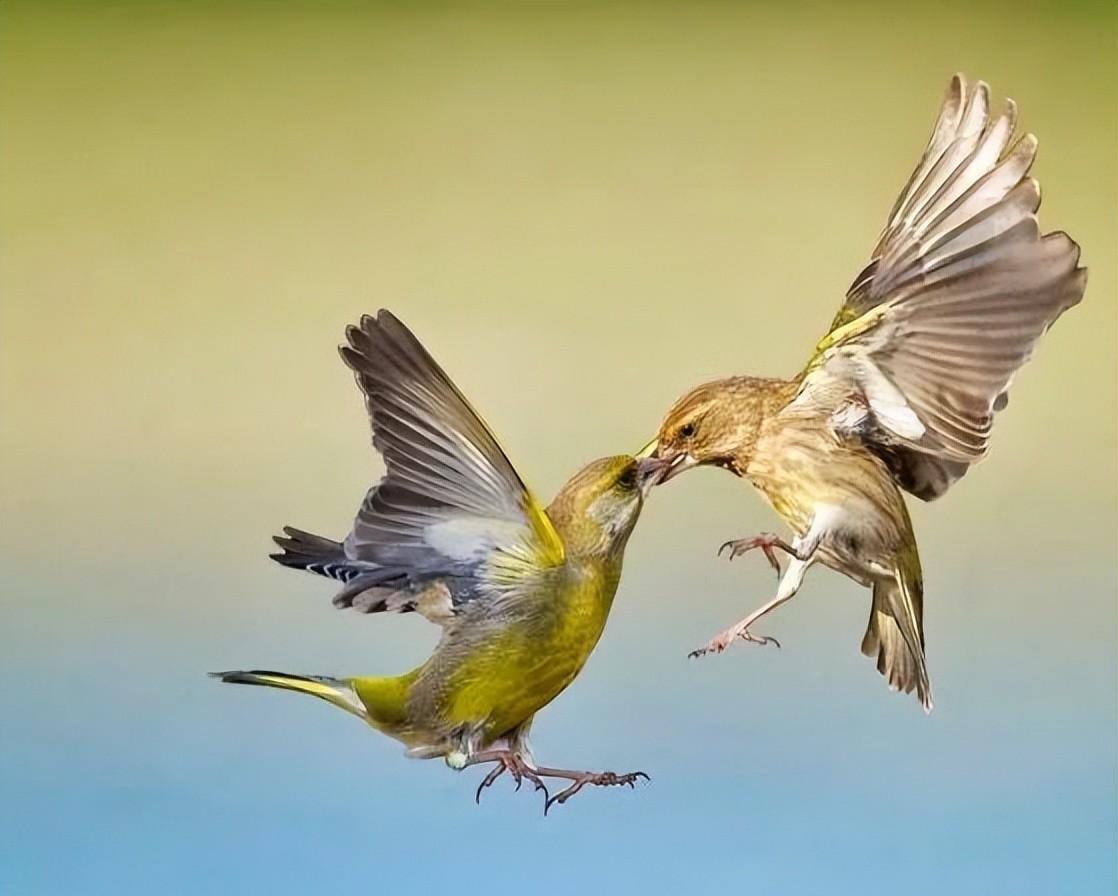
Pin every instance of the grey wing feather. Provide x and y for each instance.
(451, 506)
(449, 498)
(960, 288)
(451, 521)
(367, 587)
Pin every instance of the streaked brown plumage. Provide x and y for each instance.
(902, 392)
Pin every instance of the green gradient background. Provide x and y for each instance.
(582, 211)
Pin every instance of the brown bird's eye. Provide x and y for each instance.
(687, 430)
(628, 479)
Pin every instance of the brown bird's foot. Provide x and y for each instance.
(507, 761)
(581, 779)
(724, 639)
(766, 541)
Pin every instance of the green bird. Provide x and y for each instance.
(451, 532)
(901, 394)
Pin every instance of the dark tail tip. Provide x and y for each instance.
(304, 550)
(247, 677)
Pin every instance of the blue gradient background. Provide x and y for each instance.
(583, 211)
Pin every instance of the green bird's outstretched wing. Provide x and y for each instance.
(451, 521)
(960, 287)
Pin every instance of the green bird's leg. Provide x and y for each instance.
(581, 779)
(512, 762)
(506, 761)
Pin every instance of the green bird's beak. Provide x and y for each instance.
(650, 473)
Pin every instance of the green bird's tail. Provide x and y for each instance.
(333, 690)
(382, 702)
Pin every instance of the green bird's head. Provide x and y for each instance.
(596, 510)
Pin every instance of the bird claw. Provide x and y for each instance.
(721, 641)
(747, 635)
(507, 761)
(519, 770)
(766, 541)
(597, 779)
(494, 773)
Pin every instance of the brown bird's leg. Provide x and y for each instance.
(766, 541)
(788, 587)
(581, 779)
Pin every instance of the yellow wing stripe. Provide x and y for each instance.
(840, 334)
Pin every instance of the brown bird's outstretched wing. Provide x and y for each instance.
(451, 521)
(960, 287)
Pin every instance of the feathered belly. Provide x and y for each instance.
(806, 475)
(499, 679)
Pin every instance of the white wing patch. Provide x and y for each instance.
(470, 539)
(884, 400)
(887, 402)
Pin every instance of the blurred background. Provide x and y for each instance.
(583, 210)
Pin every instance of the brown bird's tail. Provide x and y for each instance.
(895, 634)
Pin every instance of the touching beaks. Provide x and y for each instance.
(675, 465)
(650, 472)
(656, 468)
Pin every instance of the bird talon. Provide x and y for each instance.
(761, 640)
(595, 779)
(488, 780)
(766, 541)
(770, 555)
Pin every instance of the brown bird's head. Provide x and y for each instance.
(707, 426)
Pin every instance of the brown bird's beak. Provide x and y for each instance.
(660, 466)
(674, 464)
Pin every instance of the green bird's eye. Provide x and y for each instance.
(628, 479)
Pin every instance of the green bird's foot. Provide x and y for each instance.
(507, 761)
(724, 639)
(766, 541)
(581, 779)
(521, 771)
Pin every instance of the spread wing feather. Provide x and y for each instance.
(960, 288)
(450, 501)
(451, 521)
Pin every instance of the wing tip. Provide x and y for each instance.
(956, 88)
(351, 358)
(1074, 249)
(368, 325)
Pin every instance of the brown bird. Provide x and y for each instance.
(902, 392)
